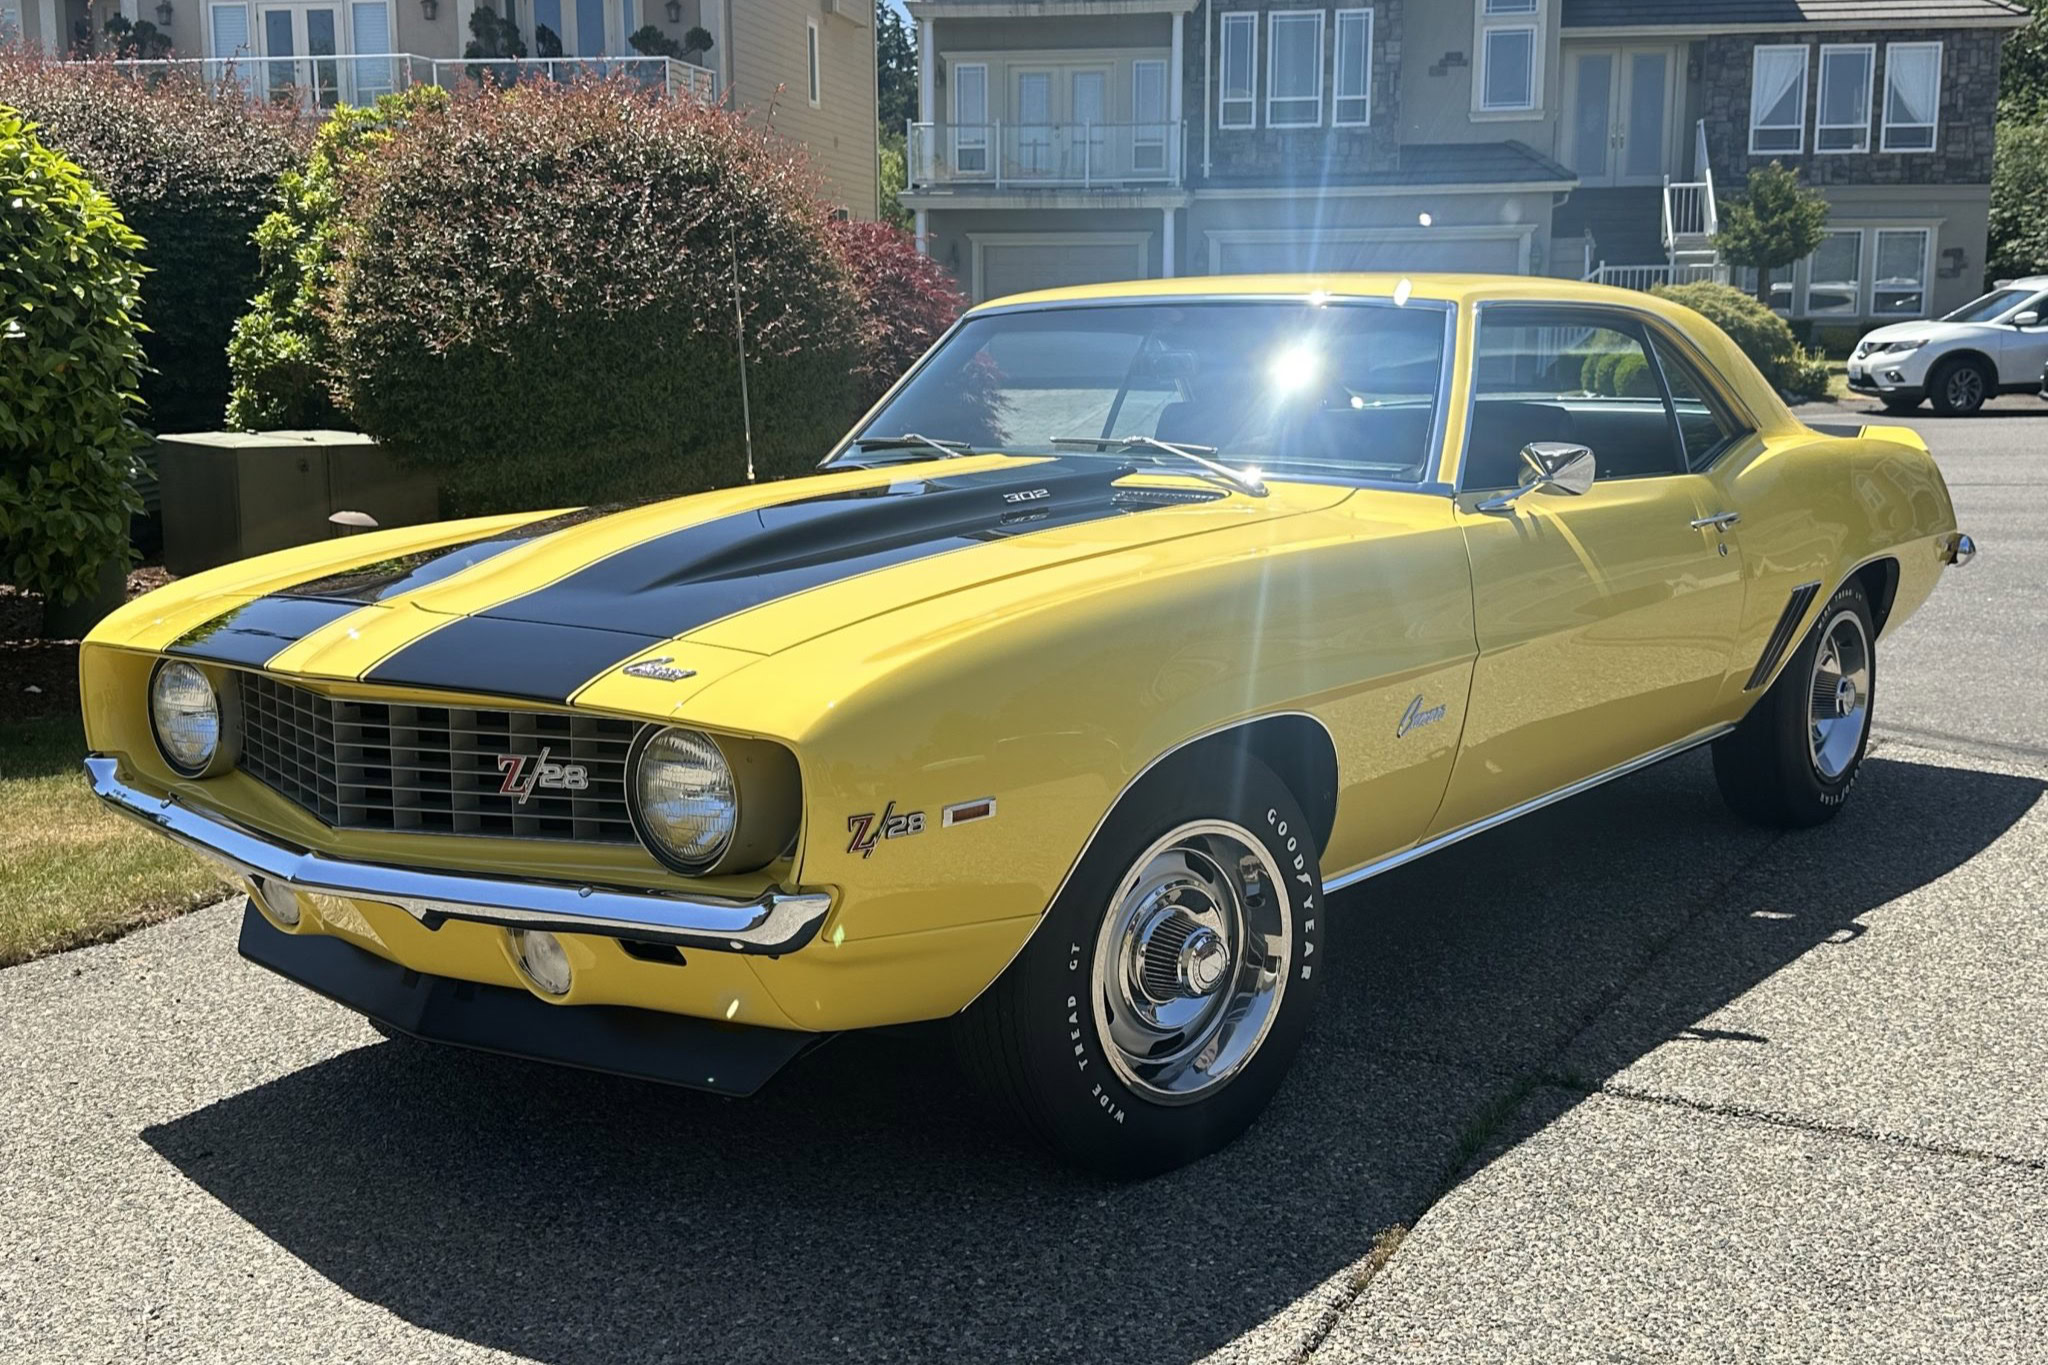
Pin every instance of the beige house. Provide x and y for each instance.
(805, 67)
(1077, 141)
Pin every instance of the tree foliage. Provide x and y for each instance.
(906, 301)
(70, 285)
(895, 70)
(534, 292)
(2019, 202)
(279, 353)
(1774, 222)
(2023, 71)
(193, 172)
(1757, 332)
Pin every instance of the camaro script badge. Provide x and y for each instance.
(523, 773)
(1414, 718)
(661, 670)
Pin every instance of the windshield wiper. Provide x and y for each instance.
(1195, 455)
(910, 440)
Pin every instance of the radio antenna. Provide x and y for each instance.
(739, 323)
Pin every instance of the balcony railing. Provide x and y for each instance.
(1049, 155)
(358, 78)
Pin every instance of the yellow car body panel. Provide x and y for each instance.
(1461, 663)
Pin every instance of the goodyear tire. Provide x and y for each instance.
(1158, 1005)
(1794, 758)
(1958, 387)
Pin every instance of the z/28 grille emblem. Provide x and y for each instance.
(524, 773)
(867, 829)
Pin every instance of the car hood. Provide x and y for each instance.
(1930, 332)
(539, 611)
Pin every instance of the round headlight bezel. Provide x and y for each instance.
(221, 753)
(636, 760)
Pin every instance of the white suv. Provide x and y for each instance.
(1999, 344)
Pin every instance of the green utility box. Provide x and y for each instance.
(231, 494)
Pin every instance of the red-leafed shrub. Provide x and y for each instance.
(534, 291)
(906, 300)
(191, 171)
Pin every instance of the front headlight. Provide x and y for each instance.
(685, 800)
(185, 714)
(1901, 347)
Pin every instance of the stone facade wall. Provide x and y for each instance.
(1963, 139)
(1311, 155)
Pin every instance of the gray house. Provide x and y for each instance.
(1072, 141)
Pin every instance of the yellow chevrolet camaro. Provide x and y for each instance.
(1134, 621)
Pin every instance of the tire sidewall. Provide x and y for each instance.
(1086, 1096)
(1803, 780)
(1937, 388)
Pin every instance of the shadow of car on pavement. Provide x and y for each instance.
(865, 1206)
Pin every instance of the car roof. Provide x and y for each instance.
(1447, 288)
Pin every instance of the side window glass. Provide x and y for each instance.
(1703, 425)
(1544, 374)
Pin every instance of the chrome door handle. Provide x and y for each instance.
(1720, 521)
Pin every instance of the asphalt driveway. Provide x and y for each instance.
(1636, 1080)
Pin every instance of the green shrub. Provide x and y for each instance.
(534, 294)
(193, 173)
(1631, 377)
(1596, 374)
(2019, 191)
(1759, 333)
(69, 362)
(278, 355)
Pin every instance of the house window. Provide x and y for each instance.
(370, 28)
(1899, 283)
(1236, 105)
(1294, 68)
(1834, 276)
(1510, 47)
(1843, 124)
(811, 55)
(1777, 100)
(970, 118)
(1148, 109)
(1351, 106)
(1912, 96)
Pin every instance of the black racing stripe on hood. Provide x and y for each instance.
(600, 616)
(256, 632)
(369, 583)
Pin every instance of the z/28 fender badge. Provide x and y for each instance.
(867, 829)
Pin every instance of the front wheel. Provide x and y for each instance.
(1958, 387)
(1795, 756)
(1157, 1007)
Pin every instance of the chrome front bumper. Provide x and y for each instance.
(774, 922)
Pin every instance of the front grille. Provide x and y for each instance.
(433, 769)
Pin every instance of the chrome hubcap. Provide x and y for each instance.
(1840, 694)
(1191, 961)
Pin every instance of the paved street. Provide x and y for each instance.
(1638, 1082)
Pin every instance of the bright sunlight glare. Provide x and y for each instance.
(1293, 369)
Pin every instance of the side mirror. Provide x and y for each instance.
(1555, 467)
(2030, 318)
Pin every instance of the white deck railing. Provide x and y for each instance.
(1023, 155)
(358, 78)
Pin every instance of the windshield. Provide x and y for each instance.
(1343, 389)
(1998, 301)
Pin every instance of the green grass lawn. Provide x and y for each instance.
(70, 872)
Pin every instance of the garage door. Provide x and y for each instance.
(1485, 255)
(1019, 267)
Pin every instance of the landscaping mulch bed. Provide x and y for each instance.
(39, 677)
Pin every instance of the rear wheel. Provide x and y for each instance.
(1795, 756)
(1958, 387)
(1158, 1006)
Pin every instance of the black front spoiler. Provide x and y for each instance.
(726, 1059)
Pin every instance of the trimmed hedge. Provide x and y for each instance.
(69, 362)
(1759, 333)
(193, 173)
(534, 293)
(278, 355)
(907, 301)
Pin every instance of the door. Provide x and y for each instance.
(1031, 97)
(2023, 351)
(574, 28)
(1618, 128)
(1606, 621)
(300, 47)
(1089, 106)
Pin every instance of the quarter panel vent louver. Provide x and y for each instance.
(1781, 635)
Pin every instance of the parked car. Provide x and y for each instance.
(1994, 345)
(1135, 621)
